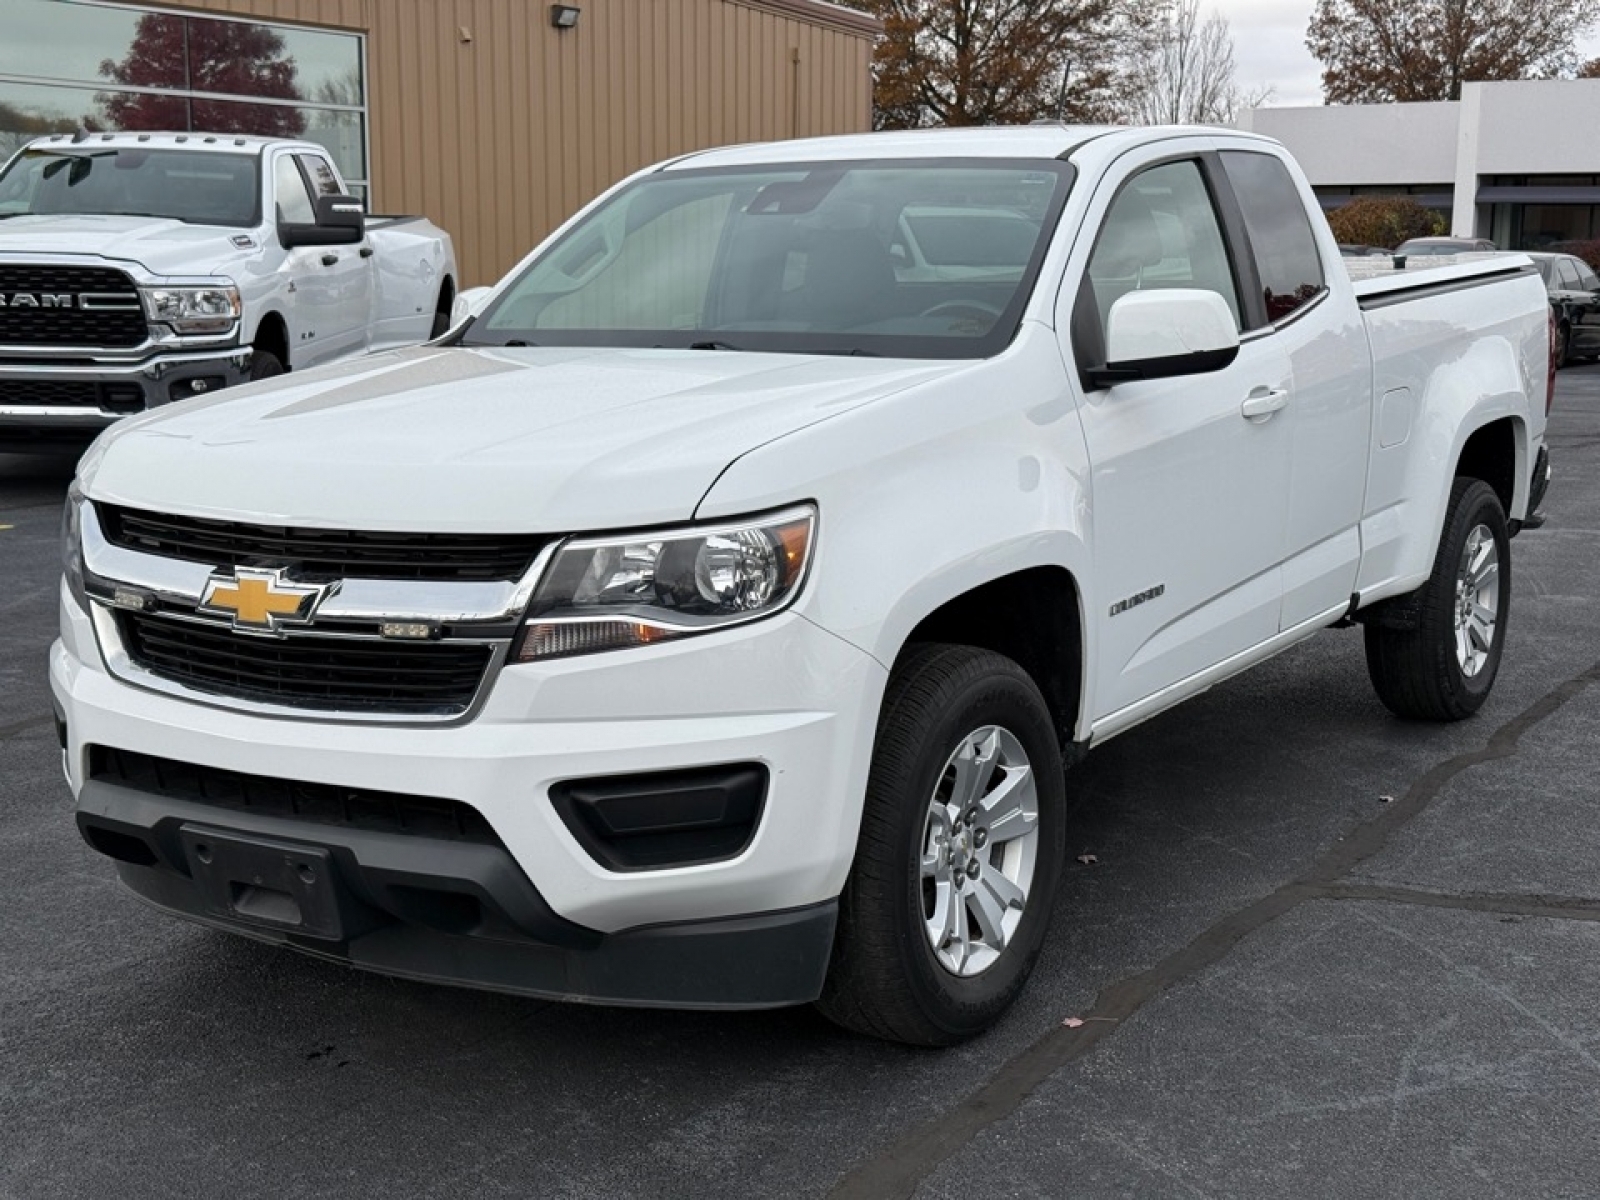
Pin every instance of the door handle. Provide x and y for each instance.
(1262, 403)
(329, 260)
(366, 252)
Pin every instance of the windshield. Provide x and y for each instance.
(199, 188)
(908, 259)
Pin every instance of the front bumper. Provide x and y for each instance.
(43, 403)
(746, 931)
(448, 913)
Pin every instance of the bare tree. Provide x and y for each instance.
(1188, 74)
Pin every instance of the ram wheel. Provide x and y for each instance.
(1443, 668)
(264, 365)
(959, 853)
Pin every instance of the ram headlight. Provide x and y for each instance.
(615, 592)
(207, 309)
(72, 546)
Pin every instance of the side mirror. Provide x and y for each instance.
(468, 304)
(340, 222)
(1166, 333)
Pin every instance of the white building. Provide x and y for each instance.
(1516, 162)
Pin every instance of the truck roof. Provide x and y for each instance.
(1016, 141)
(1046, 139)
(233, 143)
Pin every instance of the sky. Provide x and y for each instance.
(1269, 48)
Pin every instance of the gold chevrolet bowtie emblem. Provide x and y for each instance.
(260, 599)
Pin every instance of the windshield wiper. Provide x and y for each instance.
(714, 345)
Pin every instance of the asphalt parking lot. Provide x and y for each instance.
(1321, 952)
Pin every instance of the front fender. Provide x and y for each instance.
(930, 493)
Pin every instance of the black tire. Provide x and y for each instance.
(1418, 672)
(1563, 353)
(264, 365)
(441, 312)
(885, 978)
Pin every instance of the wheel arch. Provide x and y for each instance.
(1033, 616)
(1497, 453)
(272, 336)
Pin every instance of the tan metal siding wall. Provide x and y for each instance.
(500, 137)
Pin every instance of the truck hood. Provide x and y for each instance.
(436, 439)
(160, 246)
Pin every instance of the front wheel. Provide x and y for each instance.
(959, 853)
(264, 365)
(1443, 668)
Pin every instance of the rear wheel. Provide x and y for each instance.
(1443, 668)
(1563, 351)
(959, 853)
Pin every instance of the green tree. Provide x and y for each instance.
(1373, 51)
(991, 62)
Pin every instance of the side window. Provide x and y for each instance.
(1160, 232)
(1567, 276)
(1586, 278)
(1280, 232)
(321, 174)
(294, 202)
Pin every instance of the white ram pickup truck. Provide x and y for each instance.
(141, 268)
(712, 618)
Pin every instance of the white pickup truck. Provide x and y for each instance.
(141, 268)
(712, 619)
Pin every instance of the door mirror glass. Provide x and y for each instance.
(1160, 334)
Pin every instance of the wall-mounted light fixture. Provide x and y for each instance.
(564, 16)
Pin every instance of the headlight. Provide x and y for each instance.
(611, 593)
(211, 309)
(72, 546)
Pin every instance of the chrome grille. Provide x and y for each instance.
(119, 326)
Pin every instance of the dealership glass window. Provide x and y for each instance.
(149, 68)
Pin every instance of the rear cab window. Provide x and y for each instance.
(1281, 238)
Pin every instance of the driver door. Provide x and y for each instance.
(1190, 490)
(330, 287)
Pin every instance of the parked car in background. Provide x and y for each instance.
(1354, 250)
(1574, 291)
(141, 268)
(1431, 246)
